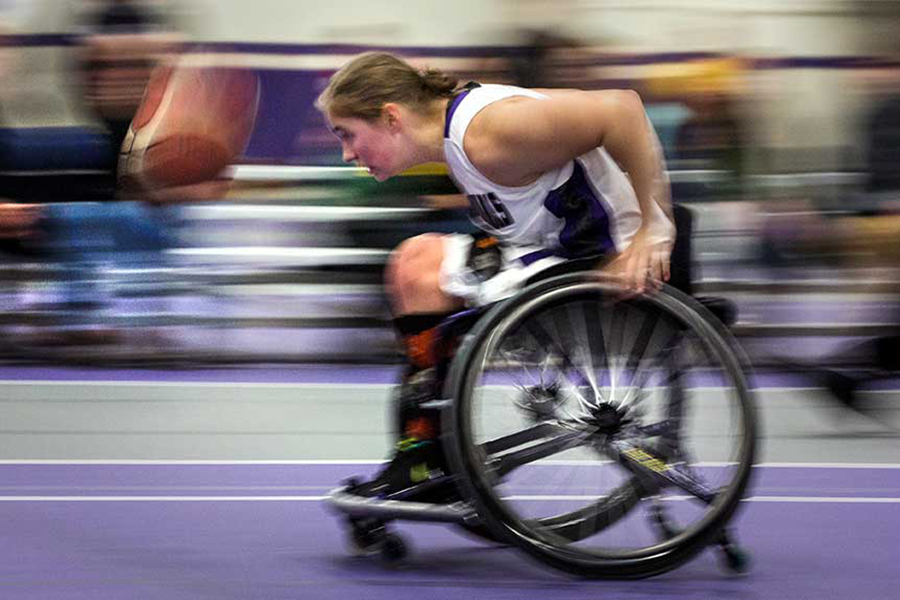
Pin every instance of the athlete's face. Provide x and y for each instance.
(375, 145)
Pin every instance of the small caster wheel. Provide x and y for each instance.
(360, 544)
(366, 537)
(737, 560)
(393, 549)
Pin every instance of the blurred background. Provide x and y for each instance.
(780, 122)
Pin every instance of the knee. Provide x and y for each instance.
(414, 263)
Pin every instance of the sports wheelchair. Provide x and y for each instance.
(607, 436)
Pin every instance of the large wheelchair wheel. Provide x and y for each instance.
(608, 438)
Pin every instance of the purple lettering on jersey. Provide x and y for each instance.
(490, 210)
(587, 228)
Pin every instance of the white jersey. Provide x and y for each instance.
(586, 207)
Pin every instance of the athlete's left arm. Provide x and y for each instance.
(534, 136)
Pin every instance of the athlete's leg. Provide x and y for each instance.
(413, 277)
(419, 305)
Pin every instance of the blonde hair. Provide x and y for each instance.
(362, 87)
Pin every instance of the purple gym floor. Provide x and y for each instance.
(260, 530)
(243, 530)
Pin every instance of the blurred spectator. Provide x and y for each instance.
(541, 60)
(120, 42)
(866, 233)
(874, 234)
(708, 132)
(17, 220)
(883, 135)
(711, 137)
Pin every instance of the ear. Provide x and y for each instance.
(393, 115)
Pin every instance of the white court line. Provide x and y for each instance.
(350, 462)
(787, 499)
(319, 384)
(193, 384)
(811, 499)
(162, 498)
(800, 465)
(150, 462)
(825, 499)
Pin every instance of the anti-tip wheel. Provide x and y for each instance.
(365, 537)
(393, 549)
(737, 559)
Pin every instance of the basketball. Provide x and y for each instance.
(192, 123)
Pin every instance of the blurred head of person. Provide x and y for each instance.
(124, 41)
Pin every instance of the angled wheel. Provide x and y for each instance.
(576, 414)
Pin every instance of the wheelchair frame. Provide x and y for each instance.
(369, 516)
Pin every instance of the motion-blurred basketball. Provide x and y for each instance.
(192, 123)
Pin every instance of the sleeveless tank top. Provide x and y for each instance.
(586, 207)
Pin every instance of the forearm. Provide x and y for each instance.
(633, 143)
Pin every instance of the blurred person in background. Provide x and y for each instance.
(864, 233)
(19, 221)
(711, 137)
(120, 42)
(871, 237)
(551, 175)
(707, 134)
(882, 134)
(548, 59)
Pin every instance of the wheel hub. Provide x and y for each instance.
(606, 418)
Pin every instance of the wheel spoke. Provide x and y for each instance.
(608, 510)
(503, 463)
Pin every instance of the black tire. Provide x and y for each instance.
(551, 327)
(393, 549)
(482, 533)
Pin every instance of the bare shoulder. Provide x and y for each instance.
(515, 140)
(485, 145)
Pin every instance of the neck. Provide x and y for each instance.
(429, 136)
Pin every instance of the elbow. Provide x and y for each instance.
(625, 107)
(622, 113)
(631, 102)
(632, 111)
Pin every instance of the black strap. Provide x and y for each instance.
(454, 100)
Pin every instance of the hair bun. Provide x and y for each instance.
(438, 82)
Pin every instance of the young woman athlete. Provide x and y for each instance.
(550, 176)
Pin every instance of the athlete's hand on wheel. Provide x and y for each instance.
(645, 263)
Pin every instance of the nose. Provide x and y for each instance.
(347, 153)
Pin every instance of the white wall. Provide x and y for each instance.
(811, 107)
(395, 22)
